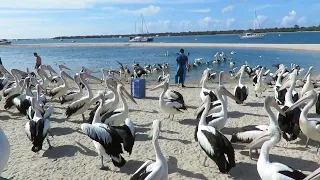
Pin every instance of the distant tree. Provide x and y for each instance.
(296, 26)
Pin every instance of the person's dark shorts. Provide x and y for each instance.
(37, 66)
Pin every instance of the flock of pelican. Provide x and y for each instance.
(113, 132)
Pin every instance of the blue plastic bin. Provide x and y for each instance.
(138, 88)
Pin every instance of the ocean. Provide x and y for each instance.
(96, 58)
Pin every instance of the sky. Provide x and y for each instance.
(51, 18)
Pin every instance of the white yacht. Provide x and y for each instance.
(4, 42)
(140, 38)
(253, 35)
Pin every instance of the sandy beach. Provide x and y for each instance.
(74, 156)
(303, 47)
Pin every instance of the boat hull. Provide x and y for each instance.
(252, 37)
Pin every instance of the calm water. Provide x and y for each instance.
(105, 57)
(271, 38)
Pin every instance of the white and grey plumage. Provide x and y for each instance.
(73, 95)
(204, 88)
(241, 91)
(81, 105)
(38, 127)
(214, 143)
(108, 140)
(274, 171)
(4, 150)
(61, 90)
(169, 106)
(157, 170)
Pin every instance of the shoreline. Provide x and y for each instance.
(301, 47)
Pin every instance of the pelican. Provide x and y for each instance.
(61, 90)
(108, 140)
(248, 133)
(73, 95)
(214, 143)
(169, 106)
(30, 112)
(255, 137)
(266, 169)
(44, 81)
(241, 91)
(157, 170)
(19, 100)
(14, 89)
(260, 87)
(289, 124)
(204, 88)
(279, 95)
(5, 150)
(81, 105)
(309, 127)
(217, 119)
(118, 116)
(38, 127)
(308, 86)
(56, 79)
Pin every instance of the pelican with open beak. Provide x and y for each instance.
(273, 123)
(170, 106)
(204, 88)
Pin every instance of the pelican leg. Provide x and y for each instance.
(102, 165)
(172, 117)
(83, 118)
(318, 147)
(257, 151)
(204, 161)
(256, 95)
(307, 142)
(250, 155)
(50, 147)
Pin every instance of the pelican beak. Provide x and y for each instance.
(64, 67)
(128, 95)
(308, 73)
(119, 82)
(201, 80)
(49, 68)
(239, 72)
(277, 71)
(199, 109)
(228, 93)
(285, 85)
(259, 140)
(93, 77)
(276, 106)
(314, 175)
(300, 102)
(68, 76)
(157, 87)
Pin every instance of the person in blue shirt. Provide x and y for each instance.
(182, 65)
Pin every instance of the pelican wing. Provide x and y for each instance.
(155, 173)
(127, 137)
(97, 133)
(175, 104)
(46, 127)
(27, 130)
(107, 115)
(141, 173)
(288, 171)
(75, 106)
(54, 91)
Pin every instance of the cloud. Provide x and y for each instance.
(292, 19)
(227, 9)
(28, 11)
(208, 22)
(108, 8)
(200, 10)
(230, 22)
(148, 11)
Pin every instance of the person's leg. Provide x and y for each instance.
(177, 76)
(184, 76)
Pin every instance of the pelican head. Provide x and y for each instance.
(63, 73)
(292, 78)
(164, 85)
(204, 76)
(308, 73)
(310, 95)
(271, 102)
(123, 91)
(223, 91)
(84, 75)
(241, 70)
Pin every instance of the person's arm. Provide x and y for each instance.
(177, 60)
(187, 63)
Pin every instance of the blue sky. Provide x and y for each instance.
(50, 18)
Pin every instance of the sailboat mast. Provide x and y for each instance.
(254, 21)
(135, 27)
(141, 24)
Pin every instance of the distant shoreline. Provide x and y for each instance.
(302, 47)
